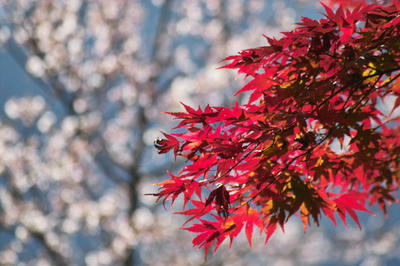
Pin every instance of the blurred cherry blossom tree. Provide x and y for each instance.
(77, 154)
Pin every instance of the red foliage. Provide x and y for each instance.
(269, 159)
(344, 3)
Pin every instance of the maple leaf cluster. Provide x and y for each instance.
(274, 157)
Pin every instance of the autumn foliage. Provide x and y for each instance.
(275, 157)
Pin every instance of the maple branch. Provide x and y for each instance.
(312, 148)
(253, 149)
(390, 81)
(235, 165)
(275, 181)
(321, 141)
(374, 88)
(366, 94)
